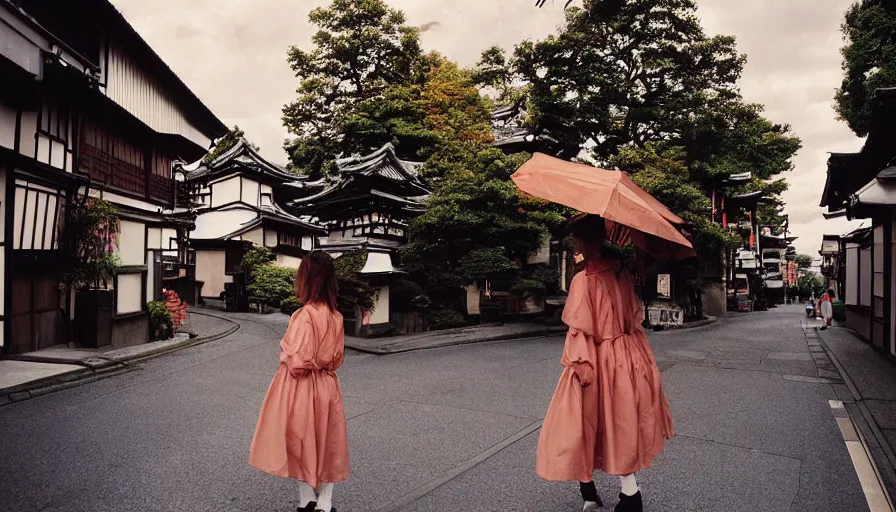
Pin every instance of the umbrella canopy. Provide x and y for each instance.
(613, 196)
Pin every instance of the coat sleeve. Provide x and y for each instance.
(297, 346)
(577, 356)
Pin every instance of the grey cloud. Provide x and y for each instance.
(232, 53)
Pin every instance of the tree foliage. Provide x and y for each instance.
(89, 241)
(869, 60)
(362, 49)
(226, 143)
(638, 86)
(803, 261)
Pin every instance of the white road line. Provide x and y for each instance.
(878, 500)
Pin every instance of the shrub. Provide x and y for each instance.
(254, 258)
(445, 319)
(290, 305)
(161, 325)
(271, 285)
(526, 286)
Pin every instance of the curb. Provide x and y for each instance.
(108, 368)
(498, 337)
(862, 416)
(367, 349)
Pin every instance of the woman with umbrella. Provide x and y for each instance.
(609, 411)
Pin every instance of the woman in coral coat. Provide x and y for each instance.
(301, 430)
(609, 411)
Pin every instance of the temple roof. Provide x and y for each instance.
(382, 166)
(242, 157)
(509, 129)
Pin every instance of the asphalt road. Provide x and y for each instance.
(437, 430)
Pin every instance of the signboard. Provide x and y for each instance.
(663, 286)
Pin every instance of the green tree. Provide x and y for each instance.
(225, 143)
(361, 50)
(803, 261)
(640, 85)
(869, 60)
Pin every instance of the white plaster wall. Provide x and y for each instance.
(124, 201)
(129, 293)
(270, 238)
(154, 239)
(150, 271)
(26, 135)
(7, 126)
(210, 270)
(307, 243)
(219, 223)
(131, 243)
(256, 236)
(287, 261)
(227, 191)
(250, 192)
(381, 314)
(169, 238)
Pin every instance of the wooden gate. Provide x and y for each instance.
(36, 316)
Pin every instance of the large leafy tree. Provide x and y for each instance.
(362, 49)
(620, 72)
(869, 60)
(637, 85)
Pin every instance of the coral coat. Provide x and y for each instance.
(609, 411)
(301, 430)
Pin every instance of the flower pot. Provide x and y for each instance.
(93, 318)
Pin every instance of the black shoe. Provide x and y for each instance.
(589, 493)
(307, 508)
(629, 503)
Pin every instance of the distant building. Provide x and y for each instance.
(237, 199)
(368, 206)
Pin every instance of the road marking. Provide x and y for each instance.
(875, 495)
(435, 483)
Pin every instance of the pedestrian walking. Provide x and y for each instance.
(301, 430)
(826, 308)
(609, 411)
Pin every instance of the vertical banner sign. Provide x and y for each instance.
(663, 286)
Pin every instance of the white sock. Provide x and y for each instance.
(629, 485)
(306, 494)
(590, 506)
(325, 499)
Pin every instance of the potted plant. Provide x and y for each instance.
(89, 240)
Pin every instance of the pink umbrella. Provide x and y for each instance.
(613, 196)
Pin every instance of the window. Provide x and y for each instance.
(878, 277)
(865, 277)
(852, 275)
(54, 122)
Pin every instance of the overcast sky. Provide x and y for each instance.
(232, 54)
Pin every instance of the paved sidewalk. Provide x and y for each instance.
(872, 383)
(32, 374)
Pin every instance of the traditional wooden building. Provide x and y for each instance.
(87, 107)
(512, 135)
(237, 198)
(367, 206)
(863, 186)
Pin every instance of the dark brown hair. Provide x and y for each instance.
(316, 280)
(589, 228)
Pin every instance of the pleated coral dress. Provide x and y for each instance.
(609, 411)
(301, 430)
